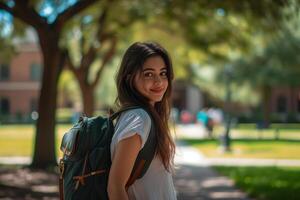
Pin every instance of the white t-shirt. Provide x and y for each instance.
(157, 183)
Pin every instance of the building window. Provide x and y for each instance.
(4, 106)
(35, 72)
(4, 72)
(281, 104)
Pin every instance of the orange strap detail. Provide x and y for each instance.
(80, 179)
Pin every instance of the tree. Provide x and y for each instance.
(49, 32)
(104, 44)
(277, 63)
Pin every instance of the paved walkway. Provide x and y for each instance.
(196, 180)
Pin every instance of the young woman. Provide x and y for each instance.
(144, 79)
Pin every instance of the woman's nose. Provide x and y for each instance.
(157, 79)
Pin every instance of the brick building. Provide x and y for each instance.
(20, 83)
(285, 102)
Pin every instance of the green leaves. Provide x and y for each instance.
(278, 63)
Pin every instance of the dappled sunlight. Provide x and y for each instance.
(194, 182)
(22, 177)
(195, 179)
(44, 188)
(27, 184)
(219, 181)
(227, 195)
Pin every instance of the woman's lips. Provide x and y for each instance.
(157, 90)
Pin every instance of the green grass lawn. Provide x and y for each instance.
(265, 133)
(282, 131)
(18, 140)
(250, 148)
(285, 126)
(266, 183)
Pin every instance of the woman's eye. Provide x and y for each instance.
(164, 74)
(148, 74)
(151, 75)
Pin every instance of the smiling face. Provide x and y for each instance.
(152, 80)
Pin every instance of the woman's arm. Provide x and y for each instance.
(122, 164)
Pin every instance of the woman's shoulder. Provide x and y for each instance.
(137, 114)
(133, 121)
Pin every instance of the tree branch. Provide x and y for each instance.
(79, 72)
(108, 56)
(101, 24)
(4, 7)
(68, 61)
(25, 13)
(88, 58)
(71, 11)
(82, 39)
(62, 60)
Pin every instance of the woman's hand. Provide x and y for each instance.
(122, 164)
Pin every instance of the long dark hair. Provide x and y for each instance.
(131, 65)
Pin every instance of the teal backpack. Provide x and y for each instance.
(86, 161)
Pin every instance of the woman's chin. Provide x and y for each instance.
(157, 100)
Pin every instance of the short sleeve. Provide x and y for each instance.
(136, 121)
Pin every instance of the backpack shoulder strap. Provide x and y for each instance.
(116, 114)
(145, 156)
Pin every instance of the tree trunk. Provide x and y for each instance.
(44, 149)
(88, 100)
(53, 60)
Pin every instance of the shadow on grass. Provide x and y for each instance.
(21, 182)
(192, 183)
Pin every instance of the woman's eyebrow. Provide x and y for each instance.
(152, 69)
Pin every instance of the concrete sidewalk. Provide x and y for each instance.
(196, 180)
